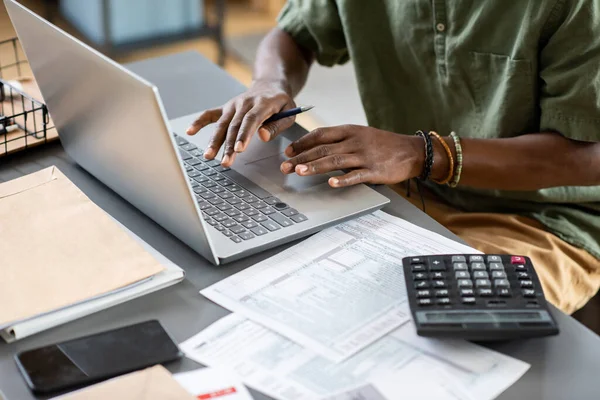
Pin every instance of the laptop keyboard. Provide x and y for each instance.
(231, 203)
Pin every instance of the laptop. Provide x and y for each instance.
(113, 124)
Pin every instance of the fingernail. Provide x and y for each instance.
(226, 160)
(209, 153)
(239, 146)
(289, 151)
(264, 134)
(189, 130)
(334, 181)
(302, 169)
(286, 167)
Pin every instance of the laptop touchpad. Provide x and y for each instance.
(269, 168)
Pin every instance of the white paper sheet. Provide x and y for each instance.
(213, 383)
(280, 368)
(338, 291)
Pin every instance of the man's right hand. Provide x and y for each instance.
(238, 119)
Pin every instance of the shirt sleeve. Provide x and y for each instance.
(316, 25)
(570, 72)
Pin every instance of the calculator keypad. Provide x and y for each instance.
(468, 281)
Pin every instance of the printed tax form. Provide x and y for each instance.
(399, 365)
(338, 291)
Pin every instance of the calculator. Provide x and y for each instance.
(477, 297)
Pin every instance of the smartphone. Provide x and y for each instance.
(96, 357)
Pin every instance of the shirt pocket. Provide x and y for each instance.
(505, 95)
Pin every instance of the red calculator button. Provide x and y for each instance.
(517, 260)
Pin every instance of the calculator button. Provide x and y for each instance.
(478, 266)
(485, 292)
(422, 285)
(437, 264)
(492, 259)
(520, 267)
(462, 275)
(522, 275)
(526, 284)
(459, 259)
(460, 267)
(504, 292)
(466, 292)
(417, 260)
(443, 302)
(496, 267)
(501, 283)
(424, 302)
(480, 275)
(441, 293)
(498, 274)
(528, 293)
(468, 300)
(418, 268)
(476, 259)
(439, 284)
(423, 293)
(438, 275)
(517, 260)
(464, 283)
(419, 276)
(483, 283)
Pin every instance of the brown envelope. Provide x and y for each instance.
(57, 248)
(154, 383)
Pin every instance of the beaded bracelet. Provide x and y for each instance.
(428, 165)
(459, 160)
(450, 159)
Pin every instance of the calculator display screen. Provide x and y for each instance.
(441, 317)
(482, 317)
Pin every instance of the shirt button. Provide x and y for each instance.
(440, 27)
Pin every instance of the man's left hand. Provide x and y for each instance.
(372, 155)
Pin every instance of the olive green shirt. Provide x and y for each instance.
(481, 68)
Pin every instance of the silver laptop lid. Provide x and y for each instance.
(113, 124)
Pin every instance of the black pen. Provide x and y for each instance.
(288, 113)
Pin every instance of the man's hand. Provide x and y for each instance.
(372, 155)
(239, 118)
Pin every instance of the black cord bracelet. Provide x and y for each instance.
(428, 165)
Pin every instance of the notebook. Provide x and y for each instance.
(63, 257)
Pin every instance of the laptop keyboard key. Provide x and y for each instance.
(280, 206)
(236, 239)
(233, 212)
(298, 218)
(259, 205)
(237, 229)
(234, 188)
(251, 212)
(227, 233)
(211, 211)
(241, 218)
(250, 199)
(225, 195)
(290, 212)
(271, 200)
(209, 172)
(259, 218)
(220, 217)
(226, 183)
(225, 207)
(211, 222)
(180, 141)
(200, 167)
(228, 223)
(189, 147)
(249, 224)
(194, 161)
(220, 168)
(243, 206)
(246, 235)
(259, 230)
(217, 177)
(208, 195)
(201, 179)
(242, 193)
(268, 210)
(197, 153)
(184, 154)
(233, 201)
(193, 173)
(220, 228)
(215, 201)
(270, 225)
(213, 163)
(281, 220)
(218, 189)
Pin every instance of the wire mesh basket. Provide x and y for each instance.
(24, 118)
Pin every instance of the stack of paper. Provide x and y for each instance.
(63, 257)
(329, 317)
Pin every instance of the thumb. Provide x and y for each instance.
(272, 129)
